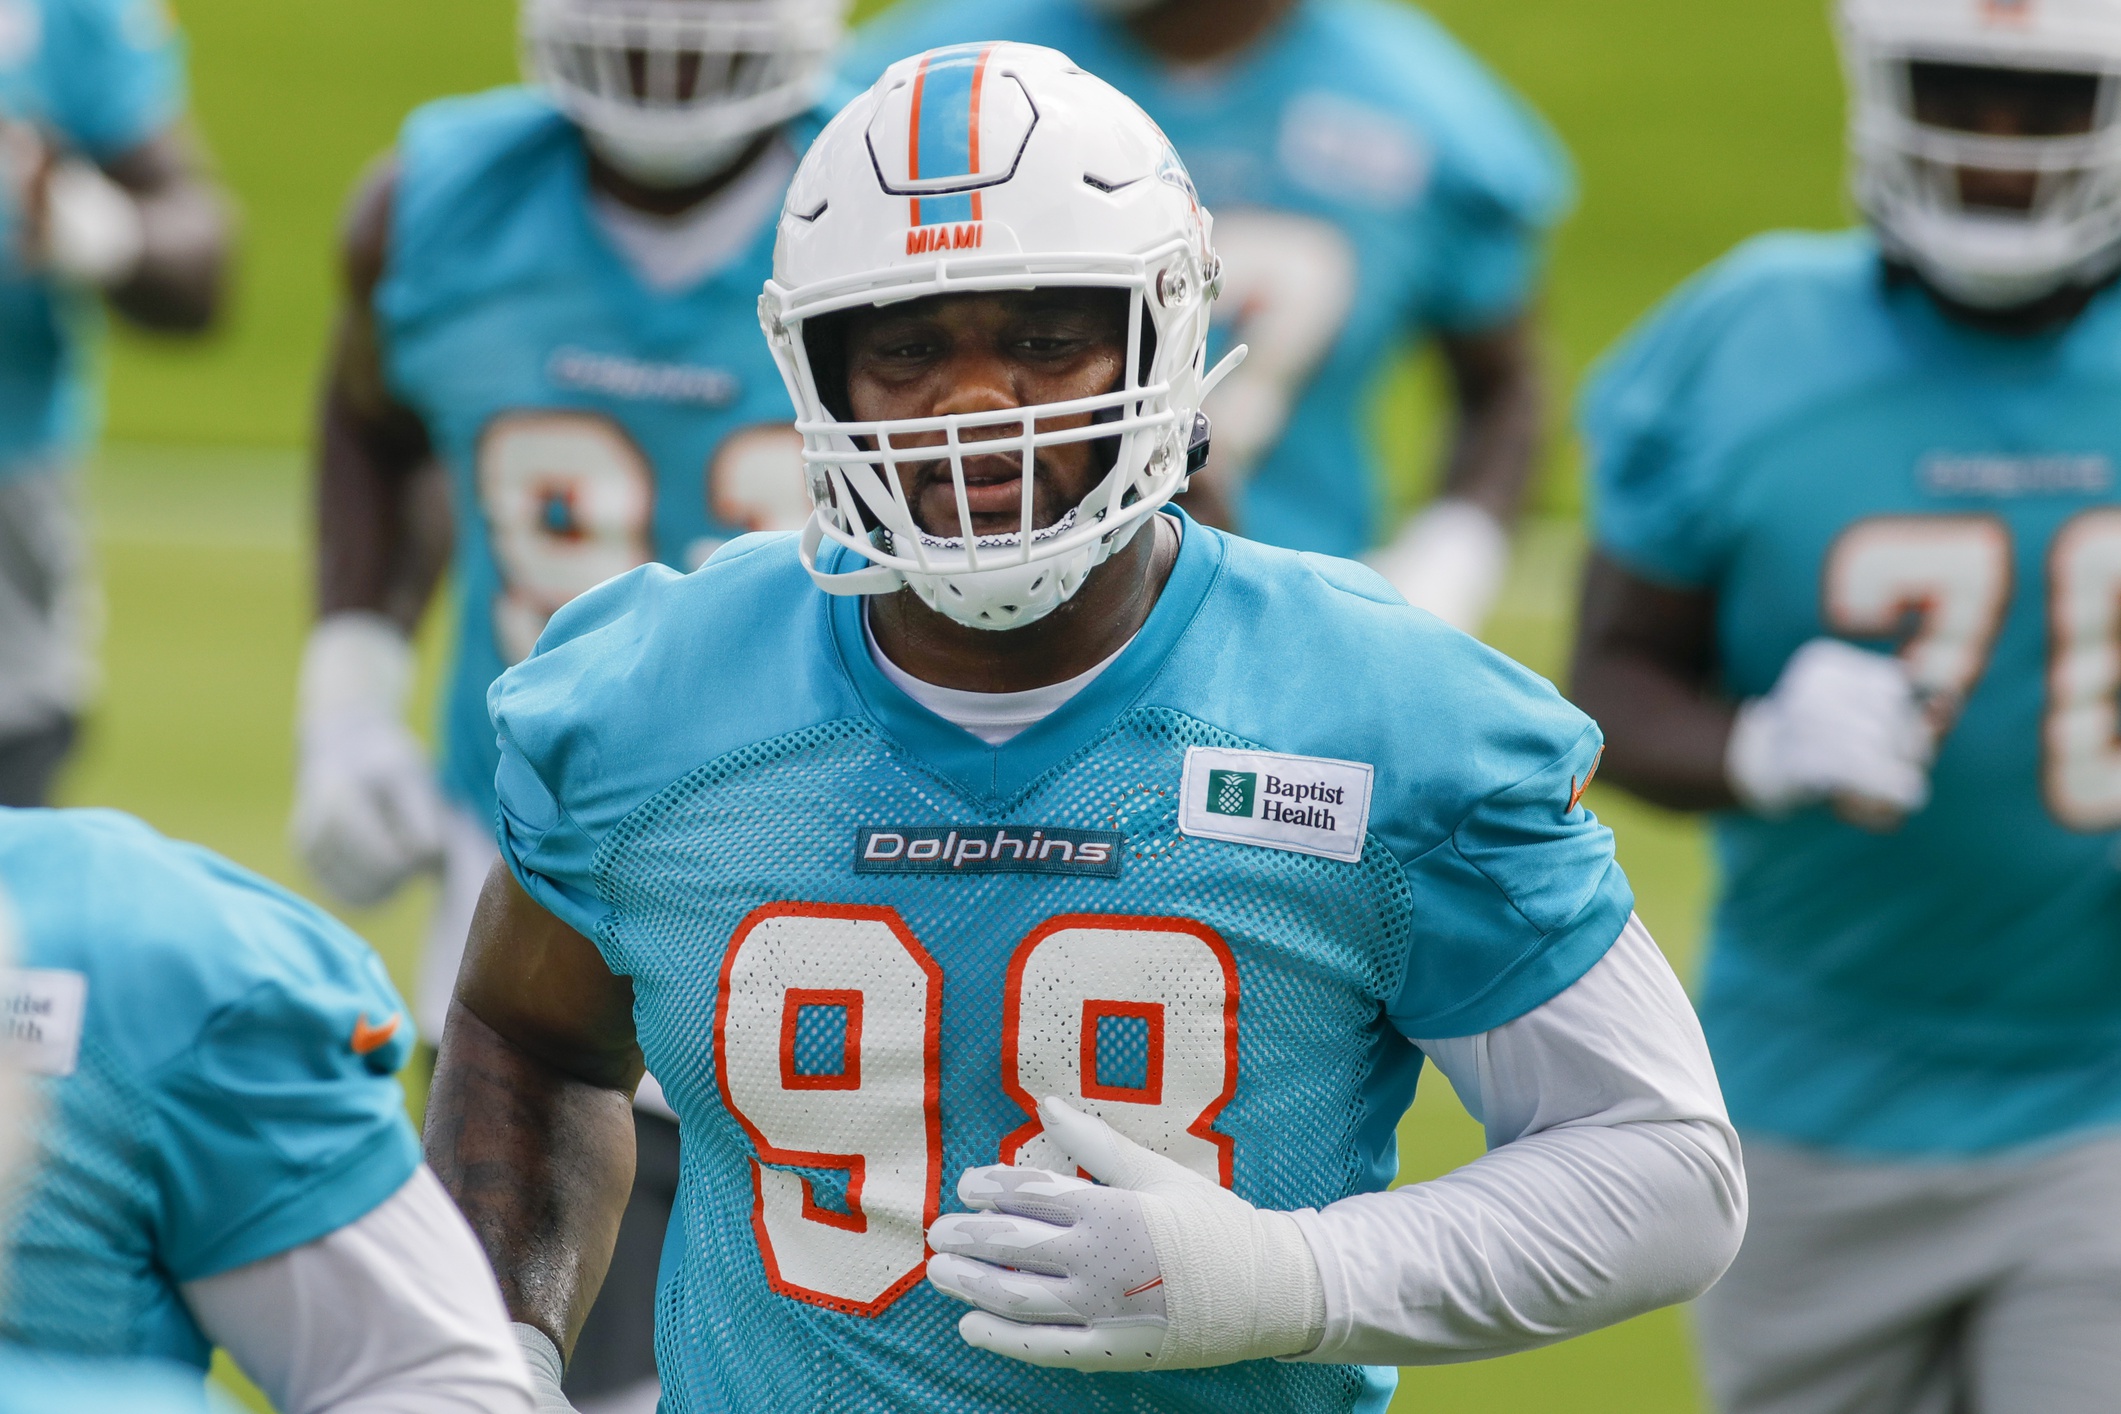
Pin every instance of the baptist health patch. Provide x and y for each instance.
(40, 1018)
(985, 849)
(1308, 804)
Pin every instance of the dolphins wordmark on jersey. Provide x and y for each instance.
(1294, 824)
(1815, 443)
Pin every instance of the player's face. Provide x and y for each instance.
(986, 353)
(2002, 103)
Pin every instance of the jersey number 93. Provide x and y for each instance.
(569, 500)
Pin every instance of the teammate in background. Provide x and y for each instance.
(1057, 832)
(1856, 589)
(1374, 187)
(102, 193)
(552, 292)
(220, 1154)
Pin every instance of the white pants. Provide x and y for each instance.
(1991, 1287)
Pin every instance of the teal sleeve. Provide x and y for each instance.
(284, 1121)
(1494, 210)
(117, 72)
(1514, 905)
(547, 851)
(1653, 491)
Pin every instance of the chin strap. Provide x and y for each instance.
(1224, 369)
(875, 579)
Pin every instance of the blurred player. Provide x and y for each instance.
(102, 192)
(553, 292)
(1857, 588)
(221, 1154)
(1058, 832)
(1374, 186)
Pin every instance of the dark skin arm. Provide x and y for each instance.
(1498, 391)
(1644, 668)
(179, 284)
(530, 1121)
(382, 502)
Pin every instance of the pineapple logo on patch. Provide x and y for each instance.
(1232, 792)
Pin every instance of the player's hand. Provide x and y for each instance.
(1450, 560)
(1152, 1268)
(1841, 724)
(367, 816)
(542, 1358)
(72, 221)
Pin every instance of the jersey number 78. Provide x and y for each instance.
(1954, 574)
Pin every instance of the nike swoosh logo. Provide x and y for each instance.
(1145, 1286)
(1577, 788)
(369, 1039)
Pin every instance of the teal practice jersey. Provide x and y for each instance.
(589, 423)
(1293, 824)
(1806, 436)
(96, 78)
(1372, 184)
(216, 1059)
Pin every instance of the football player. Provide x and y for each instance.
(551, 292)
(1855, 589)
(1057, 836)
(32, 1382)
(103, 196)
(1375, 187)
(219, 1151)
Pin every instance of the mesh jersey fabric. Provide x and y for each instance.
(1952, 986)
(219, 1111)
(688, 765)
(589, 423)
(1391, 148)
(99, 76)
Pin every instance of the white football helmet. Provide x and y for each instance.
(994, 167)
(669, 91)
(1906, 173)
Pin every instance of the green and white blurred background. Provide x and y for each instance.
(1693, 126)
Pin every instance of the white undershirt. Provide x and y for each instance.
(672, 253)
(1612, 1184)
(993, 717)
(395, 1313)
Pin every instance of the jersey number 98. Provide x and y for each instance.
(826, 1051)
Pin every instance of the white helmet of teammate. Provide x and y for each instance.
(668, 91)
(993, 167)
(1906, 173)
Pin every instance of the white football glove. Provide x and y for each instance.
(75, 222)
(93, 231)
(1152, 1268)
(367, 815)
(543, 1359)
(1841, 724)
(1450, 560)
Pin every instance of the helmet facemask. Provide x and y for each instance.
(671, 91)
(1999, 182)
(1004, 579)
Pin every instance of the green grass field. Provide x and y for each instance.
(1693, 126)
